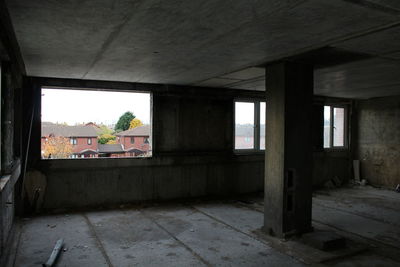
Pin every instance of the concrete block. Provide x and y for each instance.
(324, 240)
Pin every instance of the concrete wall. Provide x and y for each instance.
(12, 71)
(192, 156)
(378, 146)
(328, 164)
(192, 153)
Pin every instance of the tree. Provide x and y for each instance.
(105, 138)
(111, 142)
(57, 147)
(124, 121)
(135, 123)
(103, 129)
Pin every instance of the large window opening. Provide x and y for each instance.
(249, 126)
(335, 127)
(80, 124)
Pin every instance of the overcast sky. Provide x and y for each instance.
(244, 113)
(79, 106)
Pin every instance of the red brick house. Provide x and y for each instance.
(82, 137)
(244, 136)
(135, 141)
(111, 151)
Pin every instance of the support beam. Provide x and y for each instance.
(288, 156)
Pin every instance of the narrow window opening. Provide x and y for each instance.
(249, 126)
(334, 127)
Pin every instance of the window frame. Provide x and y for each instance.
(73, 141)
(256, 129)
(89, 141)
(60, 84)
(345, 146)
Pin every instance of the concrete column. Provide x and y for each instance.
(288, 154)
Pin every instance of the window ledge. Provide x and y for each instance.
(248, 152)
(7, 181)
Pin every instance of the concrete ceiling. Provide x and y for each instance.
(209, 43)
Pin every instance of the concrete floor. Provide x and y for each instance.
(211, 233)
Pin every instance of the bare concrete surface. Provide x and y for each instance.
(39, 235)
(208, 43)
(217, 233)
(364, 214)
(158, 236)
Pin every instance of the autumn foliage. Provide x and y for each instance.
(57, 147)
(135, 123)
(105, 138)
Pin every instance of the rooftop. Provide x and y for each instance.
(138, 131)
(110, 148)
(49, 128)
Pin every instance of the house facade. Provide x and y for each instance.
(82, 138)
(136, 141)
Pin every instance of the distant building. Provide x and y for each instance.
(83, 138)
(135, 141)
(244, 136)
(110, 151)
(92, 124)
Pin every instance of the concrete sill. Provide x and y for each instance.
(8, 181)
(248, 152)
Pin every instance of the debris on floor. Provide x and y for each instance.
(54, 254)
(335, 182)
(324, 240)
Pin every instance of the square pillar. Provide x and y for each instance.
(288, 153)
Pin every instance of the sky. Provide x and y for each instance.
(83, 106)
(244, 113)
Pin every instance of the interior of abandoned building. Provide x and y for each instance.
(198, 200)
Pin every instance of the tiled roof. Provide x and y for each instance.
(68, 131)
(110, 148)
(138, 131)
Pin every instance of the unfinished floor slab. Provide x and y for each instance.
(217, 233)
(159, 236)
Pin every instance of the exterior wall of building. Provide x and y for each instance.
(191, 157)
(139, 142)
(82, 144)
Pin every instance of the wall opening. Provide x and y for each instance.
(335, 134)
(249, 126)
(77, 124)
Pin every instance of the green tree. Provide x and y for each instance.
(105, 138)
(103, 129)
(124, 121)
